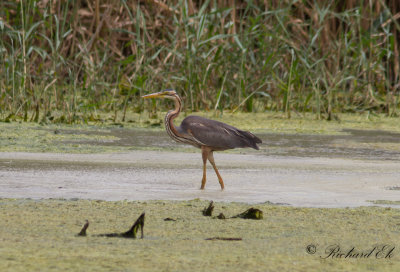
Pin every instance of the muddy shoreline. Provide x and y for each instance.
(161, 175)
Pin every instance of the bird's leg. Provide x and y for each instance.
(211, 159)
(204, 153)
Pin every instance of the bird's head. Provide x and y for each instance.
(168, 93)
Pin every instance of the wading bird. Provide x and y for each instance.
(208, 135)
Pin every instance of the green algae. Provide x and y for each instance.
(386, 202)
(96, 137)
(276, 122)
(29, 137)
(40, 235)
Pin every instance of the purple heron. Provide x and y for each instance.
(208, 135)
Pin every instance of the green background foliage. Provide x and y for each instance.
(67, 60)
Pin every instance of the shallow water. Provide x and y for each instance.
(169, 175)
(346, 170)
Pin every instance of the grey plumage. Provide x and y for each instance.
(218, 135)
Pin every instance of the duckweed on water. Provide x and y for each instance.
(28, 137)
(41, 235)
(98, 137)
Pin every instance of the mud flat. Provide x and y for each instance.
(161, 175)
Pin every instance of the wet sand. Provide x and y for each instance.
(162, 175)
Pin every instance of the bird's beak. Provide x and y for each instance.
(153, 95)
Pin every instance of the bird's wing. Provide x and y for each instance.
(217, 134)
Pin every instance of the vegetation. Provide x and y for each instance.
(66, 61)
(287, 239)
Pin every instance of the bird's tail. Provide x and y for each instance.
(251, 139)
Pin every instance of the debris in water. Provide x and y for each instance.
(221, 216)
(251, 213)
(208, 211)
(223, 239)
(130, 233)
(84, 228)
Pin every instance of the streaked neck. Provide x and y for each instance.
(169, 119)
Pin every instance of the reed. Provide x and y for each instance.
(63, 61)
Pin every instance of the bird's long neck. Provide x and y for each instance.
(169, 118)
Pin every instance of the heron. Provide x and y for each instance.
(206, 134)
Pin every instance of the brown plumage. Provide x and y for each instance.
(208, 135)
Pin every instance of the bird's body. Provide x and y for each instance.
(208, 135)
(220, 136)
